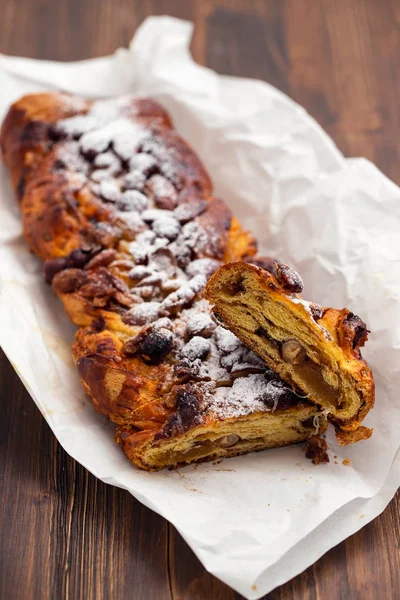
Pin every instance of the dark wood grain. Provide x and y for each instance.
(65, 534)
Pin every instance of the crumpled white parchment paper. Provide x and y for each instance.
(258, 520)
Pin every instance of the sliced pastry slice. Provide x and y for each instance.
(204, 436)
(312, 348)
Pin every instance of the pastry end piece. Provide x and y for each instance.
(314, 349)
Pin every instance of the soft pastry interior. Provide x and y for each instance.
(313, 348)
(223, 439)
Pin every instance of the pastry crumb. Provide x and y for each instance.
(347, 462)
(316, 449)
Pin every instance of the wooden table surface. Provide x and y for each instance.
(64, 534)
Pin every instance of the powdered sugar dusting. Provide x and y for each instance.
(136, 200)
(76, 126)
(161, 186)
(185, 294)
(165, 158)
(142, 162)
(145, 245)
(105, 165)
(164, 223)
(130, 167)
(247, 395)
(131, 220)
(193, 235)
(198, 323)
(196, 348)
(69, 156)
(134, 180)
(145, 312)
(226, 341)
(207, 266)
(244, 397)
(296, 300)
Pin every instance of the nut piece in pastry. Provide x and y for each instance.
(314, 349)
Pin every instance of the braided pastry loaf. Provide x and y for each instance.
(121, 210)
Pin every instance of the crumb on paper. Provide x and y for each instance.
(316, 449)
(58, 345)
(176, 469)
(362, 516)
(74, 409)
(347, 462)
(254, 587)
(336, 462)
(225, 470)
(186, 482)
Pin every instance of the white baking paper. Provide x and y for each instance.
(257, 520)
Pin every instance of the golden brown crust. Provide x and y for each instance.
(256, 304)
(121, 210)
(74, 285)
(351, 437)
(60, 213)
(125, 389)
(27, 132)
(24, 135)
